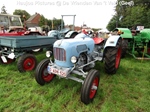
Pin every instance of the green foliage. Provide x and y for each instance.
(128, 16)
(3, 10)
(137, 16)
(148, 17)
(23, 14)
(112, 23)
(42, 21)
(53, 24)
(57, 23)
(49, 23)
(96, 29)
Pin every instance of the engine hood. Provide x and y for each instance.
(76, 42)
(71, 47)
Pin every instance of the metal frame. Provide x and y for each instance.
(76, 70)
(73, 21)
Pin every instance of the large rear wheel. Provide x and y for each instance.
(124, 47)
(112, 58)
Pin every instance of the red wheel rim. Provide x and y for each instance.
(46, 76)
(93, 90)
(118, 56)
(29, 64)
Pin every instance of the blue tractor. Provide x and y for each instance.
(76, 57)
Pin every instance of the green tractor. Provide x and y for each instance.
(136, 42)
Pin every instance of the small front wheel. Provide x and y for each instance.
(26, 62)
(41, 74)
(90, 86)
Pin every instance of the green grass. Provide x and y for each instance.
(126, 91)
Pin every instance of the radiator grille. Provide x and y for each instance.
(59, 54)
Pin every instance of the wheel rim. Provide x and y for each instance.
(46, 76)
(94, 87)
(29, 64)
(118, 56)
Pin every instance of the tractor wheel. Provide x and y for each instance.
(124, 48)
(90, 86)
(26, 62)
(41, 74)
(112, 58)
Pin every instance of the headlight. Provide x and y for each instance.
(48, 53)
(73, 59)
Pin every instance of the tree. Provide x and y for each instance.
(136, 15)
(42, 20)
(57, 23)
(112, 23)
(53, 24)
(96, 29)
(128, 16)
(3, 10)
(23, 14)
(148, 18)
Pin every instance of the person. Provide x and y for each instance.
(2, 29)
(94, 35)
(84, 31)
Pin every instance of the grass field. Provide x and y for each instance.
(126, 91)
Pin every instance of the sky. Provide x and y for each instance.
(93, 13)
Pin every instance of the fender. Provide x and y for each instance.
(126, 33)
(71, 34)
(98, 40)
(112, 41)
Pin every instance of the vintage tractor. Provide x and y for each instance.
(13, 26)
(136, 42)
(75, 59)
